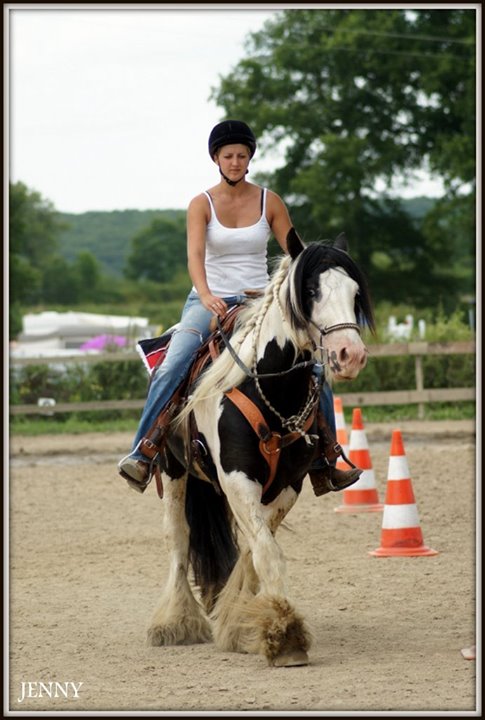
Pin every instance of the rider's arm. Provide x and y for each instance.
(278, 218)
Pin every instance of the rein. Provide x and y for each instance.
(305, 364)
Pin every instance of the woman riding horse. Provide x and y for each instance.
(228, 228)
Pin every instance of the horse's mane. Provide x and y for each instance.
(224, 373)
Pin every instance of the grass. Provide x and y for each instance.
(432, 411)
(77, 424)
(73, 425)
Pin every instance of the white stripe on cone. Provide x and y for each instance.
(358, 440)
(400, 516)
(398, 468)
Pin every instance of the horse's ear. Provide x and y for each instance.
(340, 242)
(294, 243)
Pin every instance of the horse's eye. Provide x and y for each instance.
(311, 292)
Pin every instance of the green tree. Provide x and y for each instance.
(158, 251)
(60, 283)
(447, 118)
(33, 241)
(88, 272)
(33, 225)
(352, 97)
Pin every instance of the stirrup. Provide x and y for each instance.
(138, 485)
(141, 484)
(324, 479)
(347, 478)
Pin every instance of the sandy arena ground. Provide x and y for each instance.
(87, 562)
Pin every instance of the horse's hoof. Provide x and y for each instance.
(290, 659)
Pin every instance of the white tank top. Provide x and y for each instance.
(236, 258)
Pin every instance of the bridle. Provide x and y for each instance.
(331, 329)
(307, 363)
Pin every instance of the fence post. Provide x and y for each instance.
(418, 366)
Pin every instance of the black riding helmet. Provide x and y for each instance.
(231, 132)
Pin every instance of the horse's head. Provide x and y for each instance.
(328, 297)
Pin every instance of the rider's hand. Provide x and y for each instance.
(215, 304)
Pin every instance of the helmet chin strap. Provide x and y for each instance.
(232, 182)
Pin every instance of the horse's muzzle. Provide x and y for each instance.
(346, 360)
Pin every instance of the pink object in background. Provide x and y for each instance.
(101, 342)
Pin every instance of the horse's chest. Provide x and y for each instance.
(241, 451)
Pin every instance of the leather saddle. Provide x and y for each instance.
(199, 456)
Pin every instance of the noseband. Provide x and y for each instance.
(337, 326)
(327, 331)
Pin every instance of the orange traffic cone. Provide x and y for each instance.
(342, 437)
(361, 496)
(401, 532)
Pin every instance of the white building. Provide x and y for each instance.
(52, 333)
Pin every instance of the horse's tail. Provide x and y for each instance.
(213, 548)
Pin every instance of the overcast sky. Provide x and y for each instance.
(109, 108)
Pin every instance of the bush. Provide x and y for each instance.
(124, 380)
(79, 383)
(29, 383)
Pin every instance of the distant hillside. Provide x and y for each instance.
(108, 235)
(417, 207)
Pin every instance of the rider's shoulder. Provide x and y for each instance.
(198, 202)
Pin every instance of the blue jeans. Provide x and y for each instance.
(326, 407)
(192, 332)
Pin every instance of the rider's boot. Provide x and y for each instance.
(138, 473)
(324, 476)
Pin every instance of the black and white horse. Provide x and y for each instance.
(224, 525)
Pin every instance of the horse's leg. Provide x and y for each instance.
(230, 632)
(178, 620)
(253, 613)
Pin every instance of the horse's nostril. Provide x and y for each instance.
(344, 356)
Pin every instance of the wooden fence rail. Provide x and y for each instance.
(420, 395)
